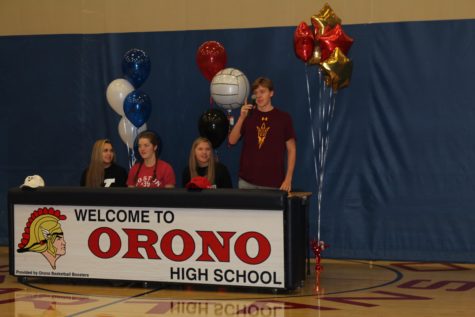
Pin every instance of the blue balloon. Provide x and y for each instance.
(136, 67)
(136, 145)
(137, 107)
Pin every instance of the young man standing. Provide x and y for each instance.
(268, 135)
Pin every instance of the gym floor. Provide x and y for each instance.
(343, 288)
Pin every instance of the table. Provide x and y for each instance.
(231, 237)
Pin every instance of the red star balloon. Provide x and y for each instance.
(303, 42)
(333, 38)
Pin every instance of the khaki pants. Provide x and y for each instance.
(242, 184)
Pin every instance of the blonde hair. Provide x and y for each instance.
(193, 165)
(95, 171)
(43, 232)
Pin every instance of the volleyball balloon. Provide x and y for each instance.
(229, 88)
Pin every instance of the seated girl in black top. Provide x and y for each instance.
(102, 170)
(203, 163)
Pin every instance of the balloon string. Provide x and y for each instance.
(329, 105)
(130, 147)
(132, 154)
(326, 106)
(313, 137)
(322, 116)
(126, 142)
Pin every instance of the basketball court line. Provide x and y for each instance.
(305, 291)
(347, 287)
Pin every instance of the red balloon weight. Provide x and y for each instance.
(211, 58)
(332, 39)
(303, 42)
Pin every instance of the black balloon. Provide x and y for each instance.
(214, 126)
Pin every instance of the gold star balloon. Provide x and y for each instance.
(338, 69)
(325, 19)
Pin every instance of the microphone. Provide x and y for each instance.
(254, 103)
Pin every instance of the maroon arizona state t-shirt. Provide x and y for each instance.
(263, 151)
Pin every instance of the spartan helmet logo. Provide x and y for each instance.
(43, 234)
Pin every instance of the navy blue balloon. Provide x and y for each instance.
(137, 107)
(136, 145)
(136, 67)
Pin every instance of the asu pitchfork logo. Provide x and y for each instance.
(262, 131)
(43, 234)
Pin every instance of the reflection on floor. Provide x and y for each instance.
(345, 288)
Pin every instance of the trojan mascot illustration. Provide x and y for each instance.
(43, 234)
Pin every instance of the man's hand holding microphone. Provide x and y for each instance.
(247, 108)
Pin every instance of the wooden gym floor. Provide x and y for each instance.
(346, 288)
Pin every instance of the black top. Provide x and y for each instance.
(114, 176)
(222, 179)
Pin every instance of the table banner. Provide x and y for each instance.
(176, 245)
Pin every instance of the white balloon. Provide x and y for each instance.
(128, 132)
(229, 88)
(116, 93)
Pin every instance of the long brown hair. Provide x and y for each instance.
(95, 171)
(193, 165)
(152, 137)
